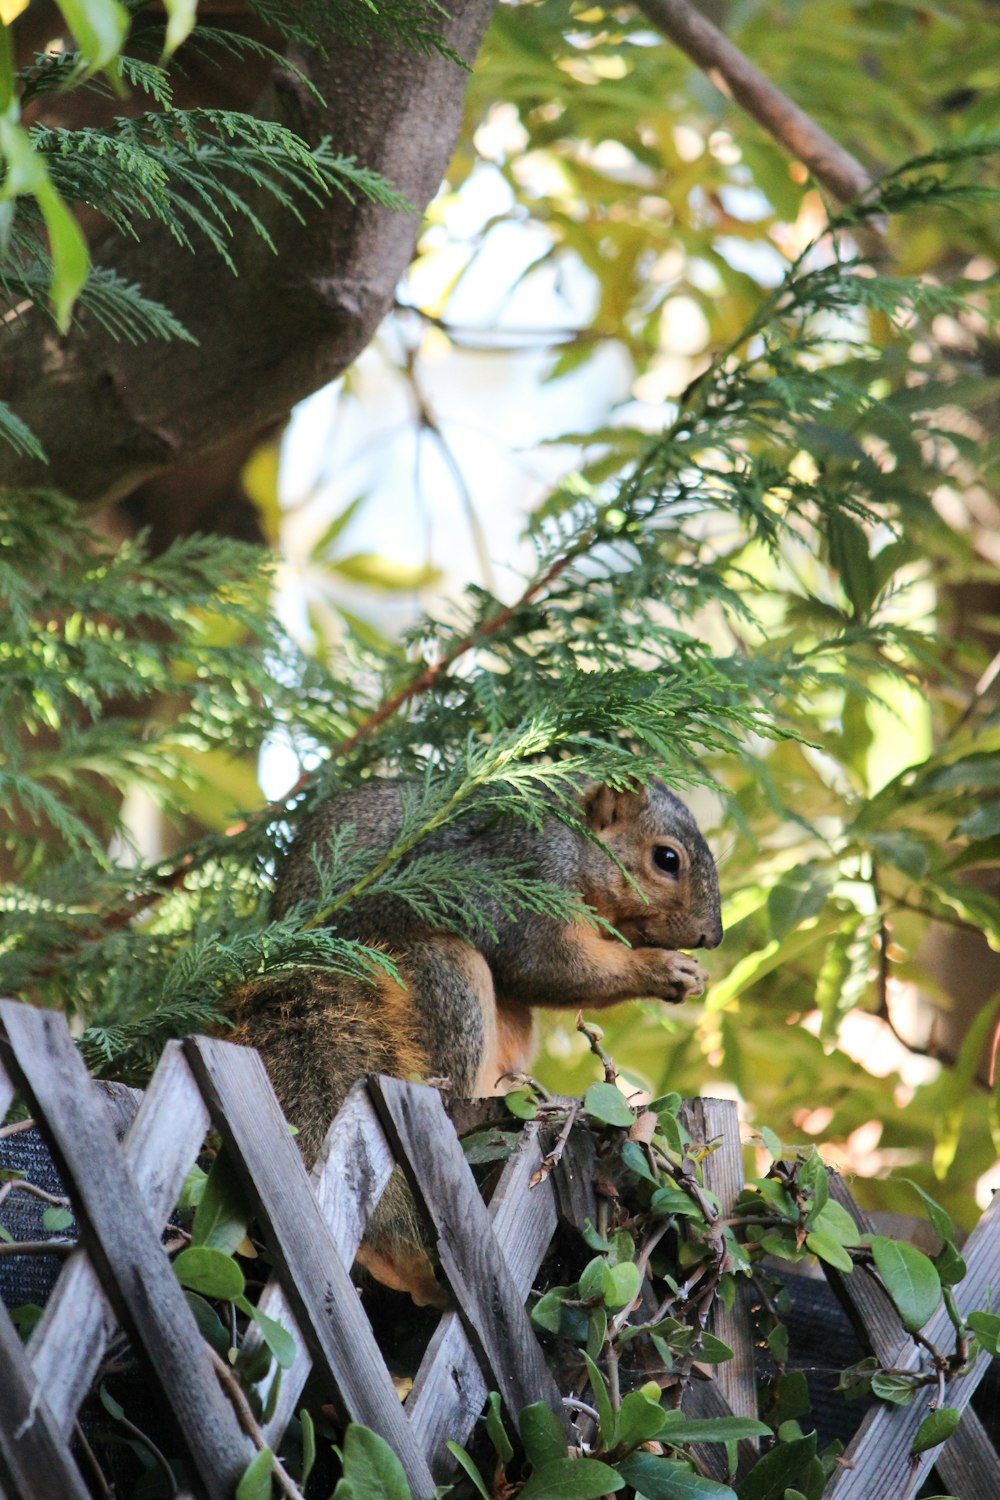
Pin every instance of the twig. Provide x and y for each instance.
(16, 1128)
(593, 1036)
(19, 1184)
(734, 74)
(100, 1478)
(551, 1158)
(237, 1395)
(37, 1247)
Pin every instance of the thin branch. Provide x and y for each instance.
(249, 1423)
(737, 77)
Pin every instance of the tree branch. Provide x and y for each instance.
(110, 415)
(735, 75)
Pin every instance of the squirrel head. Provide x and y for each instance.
(654, 837)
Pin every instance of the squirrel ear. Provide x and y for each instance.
(604, 806)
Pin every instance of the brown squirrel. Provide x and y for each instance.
(464, 1011)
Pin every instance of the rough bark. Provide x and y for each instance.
(111, 416)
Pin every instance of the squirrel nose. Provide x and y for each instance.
(711, 939)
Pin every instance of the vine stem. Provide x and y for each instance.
(237, 1395)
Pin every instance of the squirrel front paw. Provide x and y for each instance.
(675, 976)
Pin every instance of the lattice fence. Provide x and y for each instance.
(123, 1195)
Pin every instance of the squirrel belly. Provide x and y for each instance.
(463, 1013)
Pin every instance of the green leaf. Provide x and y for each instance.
(640, 1418)
(377, 572)
(466, 1463)
(522, 1103)
(56, 1219)
(986, 1327)
(99, 27)
(572, 1479)
(936, 1429)
(256, 1481)
(496, 1431)
(778, 1470)
(665, 1479)
(624, 1281)
(890, 1387)
(371, 1469)
(608, 1426)
(605, 1102)
(542, 1434)
(181, 16)
(277, 1338)
(678, 1427)
(308, 1446)
(210, 1325)
(594, 1279)
(209, 1272)
(829, 1249)
(667, 1201)
(910, 1279)
(222, 1216)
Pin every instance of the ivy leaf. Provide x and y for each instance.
(572, 1479)
(256, 1481)
(542, 1435)
(778, 1470)
(935, 1429)
(910, 1279)
(371, 1469)
(665, 1479)
(222, 1217)
(56, 1218)
(986, 1327)
(605, 1102)
(497, 1432)
(678, 1427)
(467, 1464)
(209, 1272)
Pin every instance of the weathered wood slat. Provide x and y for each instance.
(879, 1451)
(491, 1307)
(69, 1339)
(449, 1390)
(722, 1174)
(969, 1463)
(246, 1113)
(35, 1461)
(122, 1241)
(348, 1178)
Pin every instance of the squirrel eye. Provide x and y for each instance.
(666, 859)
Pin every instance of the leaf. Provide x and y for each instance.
(202, 1269)
(256, 1481)
(935, 1429)
(222, 1217)
(210, 1325)
(308, 1446)
(894, 1388)
(640, 1418)
(496, 1431)
(180, 23)
(278, 1339)
(829, 1250)
(605, 1102)
(665, 1479)
(607, 1427)
(778, 1470)
(371, 1469)
(522, 1103)
(468, 1465)
(910, 1279)
(56, 1218)
(986, 1327)
(680, 1428)
(542, 1434)
(572, 1479)
(624, 1281)
(99, 28)
(377, 572)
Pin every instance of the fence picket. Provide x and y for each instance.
(485, 1294)
(122, 1241)
(246, 1113)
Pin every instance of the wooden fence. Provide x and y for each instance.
(120, 1276)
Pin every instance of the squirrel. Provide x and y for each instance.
(464, 1011)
